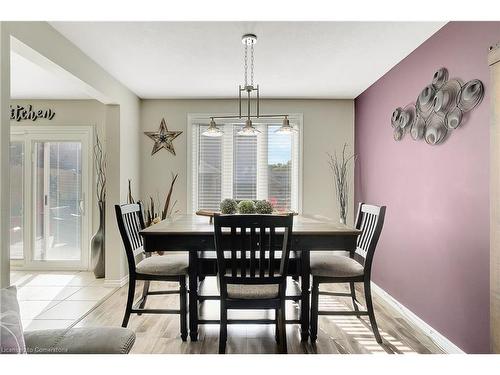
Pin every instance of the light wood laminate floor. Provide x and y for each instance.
(337, 334)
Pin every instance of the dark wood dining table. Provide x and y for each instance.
(195, 234)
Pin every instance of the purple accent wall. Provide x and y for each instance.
(433, 255)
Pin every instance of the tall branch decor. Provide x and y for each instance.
(97, 241)
(340, 169)
(151, 215)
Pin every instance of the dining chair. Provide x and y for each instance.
(330, 268)
(252, 260)
(143, 266)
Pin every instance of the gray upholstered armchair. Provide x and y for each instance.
(95, 340)
(92, 340)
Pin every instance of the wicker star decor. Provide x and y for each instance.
(163, 138)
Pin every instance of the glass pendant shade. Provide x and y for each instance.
(212, 130)
(286, 128)
(248, 129)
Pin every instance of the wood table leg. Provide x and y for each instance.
(193, 295)
(304, 300)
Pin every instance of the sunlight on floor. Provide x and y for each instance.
(56, 299)
(358, 330)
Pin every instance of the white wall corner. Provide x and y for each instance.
(440, 340)
(116, 283)
(4, 156)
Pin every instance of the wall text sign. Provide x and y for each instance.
(20, 113)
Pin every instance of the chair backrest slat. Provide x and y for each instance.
(247, 248)
(262, 251)
(130, 222)
(244, 241)
(272, 249)
(370, 220)
(253, 248)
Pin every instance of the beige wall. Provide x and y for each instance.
(327, 125)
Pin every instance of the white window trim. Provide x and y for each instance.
(204, 118)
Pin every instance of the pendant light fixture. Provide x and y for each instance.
(212, 130)
(286, 128)
(248, 88)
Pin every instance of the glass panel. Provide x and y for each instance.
(245, 165)
(209, 171)
(279, 169)
(58, 193)
(16, 200)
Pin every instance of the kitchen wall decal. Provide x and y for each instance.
(20, 113)
(439, 109)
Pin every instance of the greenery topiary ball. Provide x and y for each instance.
(228, 206)
(264, 207)
(246, 207)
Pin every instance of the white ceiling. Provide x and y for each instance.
(30, 81)
(205, 59)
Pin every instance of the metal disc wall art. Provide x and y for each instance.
(435, 131)
(398, 134)
(440, 77)
(418, 129)
(471, 95)
(425, 100)
(439, 108)
(453, 119)
(446, 97)
(396, 114)
(407, 118)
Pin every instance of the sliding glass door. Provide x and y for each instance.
(48, 199)
(57, 201)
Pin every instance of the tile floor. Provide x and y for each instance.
(57, 299)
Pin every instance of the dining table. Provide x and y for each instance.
(195, 234)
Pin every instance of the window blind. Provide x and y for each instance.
(244, 167)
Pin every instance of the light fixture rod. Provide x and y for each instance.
(248, 105)
(251, 116)
(258, 101)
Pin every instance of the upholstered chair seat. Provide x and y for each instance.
(164, 265)
(329, 265)
(262, 291)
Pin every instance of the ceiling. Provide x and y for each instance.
(30, 81)
(205, 59)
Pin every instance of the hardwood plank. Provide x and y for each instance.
(336, 335)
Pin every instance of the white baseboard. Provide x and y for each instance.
(116, 283)
(441, 341)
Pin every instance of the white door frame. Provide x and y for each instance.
(41, 133)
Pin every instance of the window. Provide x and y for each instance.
(265, 166)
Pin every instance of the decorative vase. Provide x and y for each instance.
(97, 245)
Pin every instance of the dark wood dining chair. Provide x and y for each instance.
(143, 266)
(252, 260)
(330, 268)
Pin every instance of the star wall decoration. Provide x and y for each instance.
(163, 138)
